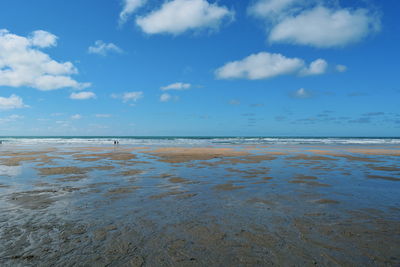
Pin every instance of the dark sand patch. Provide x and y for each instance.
(385, 168)
(375, 151)
(167, 194)
(35, 199)
(327, 201)
(122, 190)
(228, 187)
(132, 172)
(267, 178)
(250, 173)
(383, 178)
(103, 168)
(73, 178)
(17, 160)
(346, 156)
(306, 177)
(181, 154)
(186, 196)
(62, 170)
(178, 180)
(27, 153)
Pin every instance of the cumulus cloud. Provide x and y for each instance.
(313, 23)
(129, 96)
(76, 117)
(316, 67)
(23, 64)
(302, 93)
(176, 86)
(43, 39)
(82, 95)
(129, 7)
(11, 102)
(266, 65)
(178, 16)
(324, 27)
(165, 97)
(103, 49)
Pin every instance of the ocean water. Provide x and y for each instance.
(198, 140)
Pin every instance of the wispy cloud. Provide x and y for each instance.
(129, 7)
(103, 115)
(129, 96)
(82, 95)
(76, 117)
(103, 49)
(176, 86)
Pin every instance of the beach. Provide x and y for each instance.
(210, 203)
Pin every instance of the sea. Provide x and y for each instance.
(196, 140)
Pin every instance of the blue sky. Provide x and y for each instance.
(200, 67)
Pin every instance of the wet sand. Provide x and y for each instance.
(197, 206)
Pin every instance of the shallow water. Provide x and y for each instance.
(282, 205)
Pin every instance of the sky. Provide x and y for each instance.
(200, 67)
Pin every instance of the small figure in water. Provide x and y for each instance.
(115, 142)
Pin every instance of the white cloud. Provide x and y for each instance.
(103, 115)
(129, 7)
(23, 64)
(165, 97)
(316, 67)
(82, 95)
(341, 68)
(178, 16)
(324, 27)
(176, 86)
(129, 96)
(11, 102)
(43, 39)
(267, 65)
(302, 93)
(102, 48)
(76, 117)
(132, 96)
